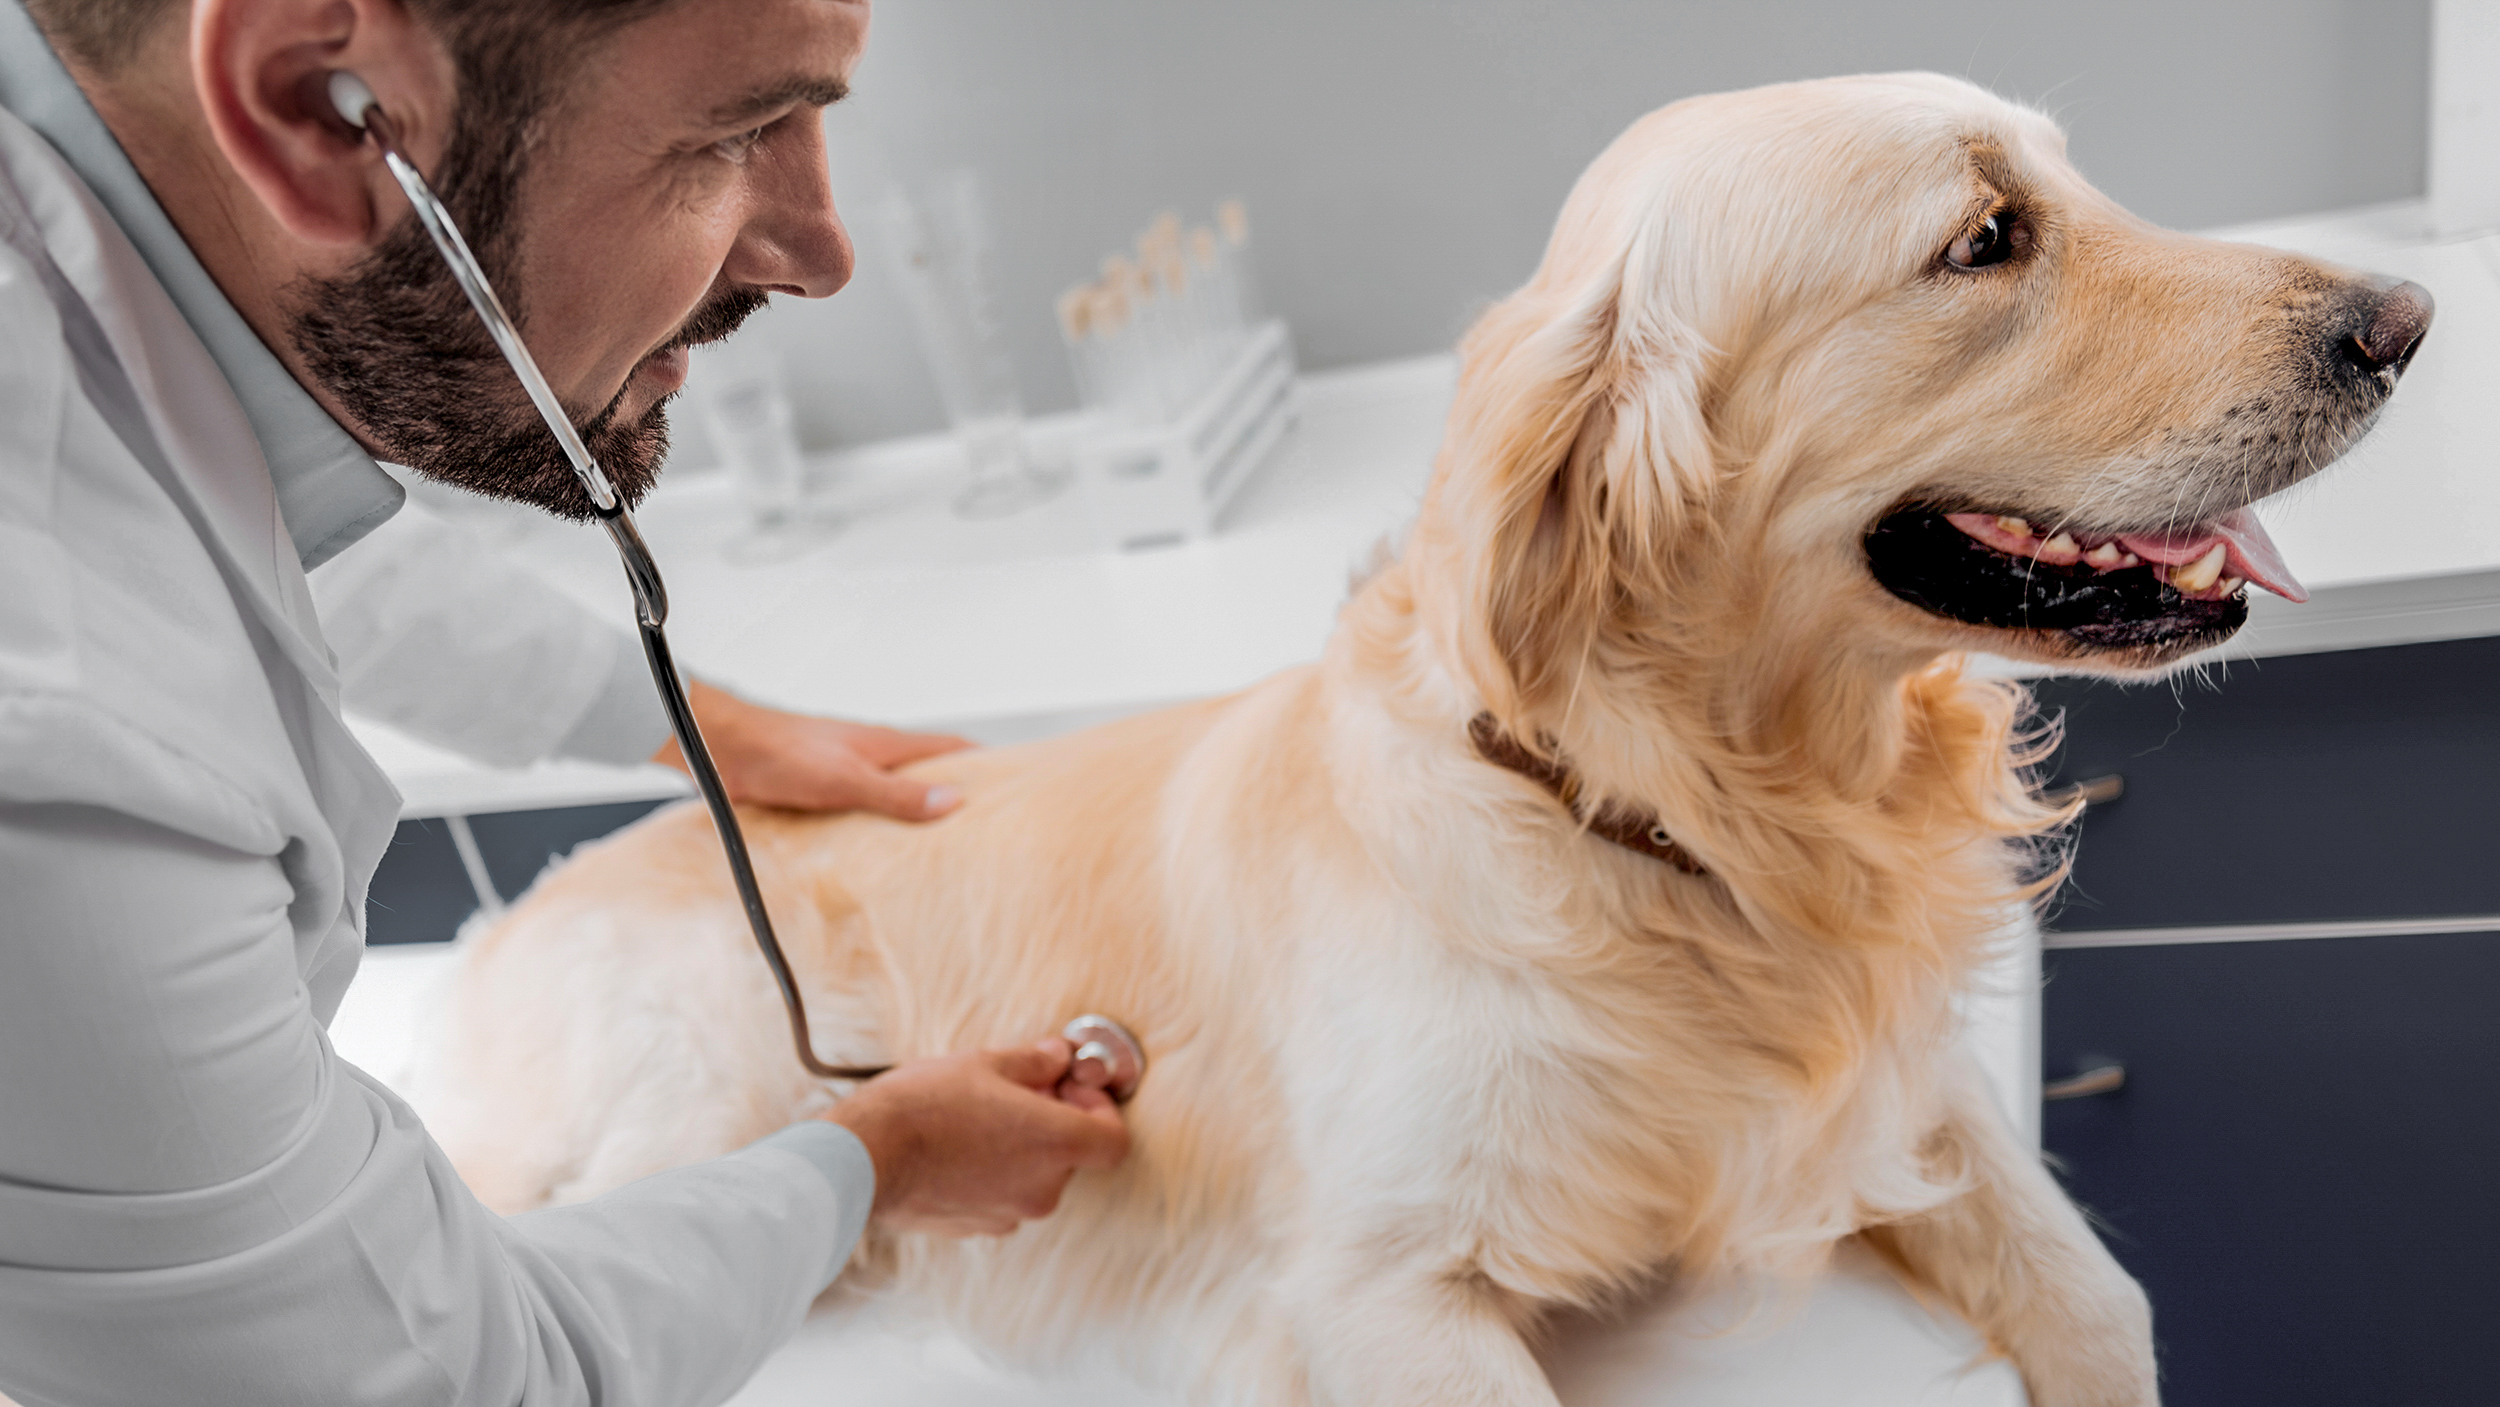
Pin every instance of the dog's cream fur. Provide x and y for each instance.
(1428, 1058)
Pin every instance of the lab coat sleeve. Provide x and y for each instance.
(201, 1202)
(441, 635)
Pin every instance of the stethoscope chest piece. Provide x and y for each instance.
(1107, 1057)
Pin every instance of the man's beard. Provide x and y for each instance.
(396, 344)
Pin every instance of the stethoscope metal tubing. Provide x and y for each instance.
(733, 841)
(641, 573)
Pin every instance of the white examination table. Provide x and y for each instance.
(1860, 1341)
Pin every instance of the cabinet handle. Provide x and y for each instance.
(2100, 1079)
(2091, 791)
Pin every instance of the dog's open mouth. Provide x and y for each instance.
(2169, 590)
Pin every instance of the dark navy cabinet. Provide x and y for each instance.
(423, 891)
(2358, 785)
(2303, 1164)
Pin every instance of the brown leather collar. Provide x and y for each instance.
(1633, 830)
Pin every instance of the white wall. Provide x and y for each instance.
(2464, 176)
(1402, 159)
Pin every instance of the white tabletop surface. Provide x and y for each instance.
(1858, 1339)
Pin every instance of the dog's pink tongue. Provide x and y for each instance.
(2253, 555)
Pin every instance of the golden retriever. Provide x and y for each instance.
(1817, 385)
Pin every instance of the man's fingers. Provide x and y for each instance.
(1087, 1123)
(1100, 1137)
(963, 1226)
(903, 798)
(1088, 1126)
(1093, 1132)
(913, 747)
(891, 747)
(1085, 1097)
(1037, 1066)
(1042, 1200)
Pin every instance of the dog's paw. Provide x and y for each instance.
(2132, 1389)
(2100, 1356)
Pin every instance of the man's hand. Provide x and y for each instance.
(972, 1144)
(771, 758)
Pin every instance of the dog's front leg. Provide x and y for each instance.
(1380, 1329)
(2016, 1258)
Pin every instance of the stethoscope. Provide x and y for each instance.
(1107, 1057)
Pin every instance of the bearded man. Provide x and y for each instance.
(216, 314)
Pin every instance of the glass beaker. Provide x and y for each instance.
(747, 411)
(940, 249)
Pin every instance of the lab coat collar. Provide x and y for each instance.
(164, 395)
(150, 392)
(330, 492)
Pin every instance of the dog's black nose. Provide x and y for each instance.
(2385, 344)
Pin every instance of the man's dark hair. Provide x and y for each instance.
(508, 57)
(393, 339)
(104, 35)
(100, 35)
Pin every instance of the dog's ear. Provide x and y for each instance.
(1578, 453)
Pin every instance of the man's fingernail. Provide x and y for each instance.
(941, 799)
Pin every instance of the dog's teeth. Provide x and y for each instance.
(2104, 556)
(2200, 575)
(2233, 586)
(2017, 526)
(2061, 548)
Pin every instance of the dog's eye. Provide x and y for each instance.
(1996, 240)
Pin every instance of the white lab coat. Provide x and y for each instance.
(444, 637)
(199, 1201)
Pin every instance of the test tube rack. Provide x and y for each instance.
(1157, 485)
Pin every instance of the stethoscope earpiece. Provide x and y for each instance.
(351, 97)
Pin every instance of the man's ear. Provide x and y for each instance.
(261, 69)
(1577, 450)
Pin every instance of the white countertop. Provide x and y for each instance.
(1013, 627)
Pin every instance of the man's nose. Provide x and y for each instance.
(793, 241)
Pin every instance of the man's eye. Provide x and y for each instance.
(1996, 240)
(736, 148)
